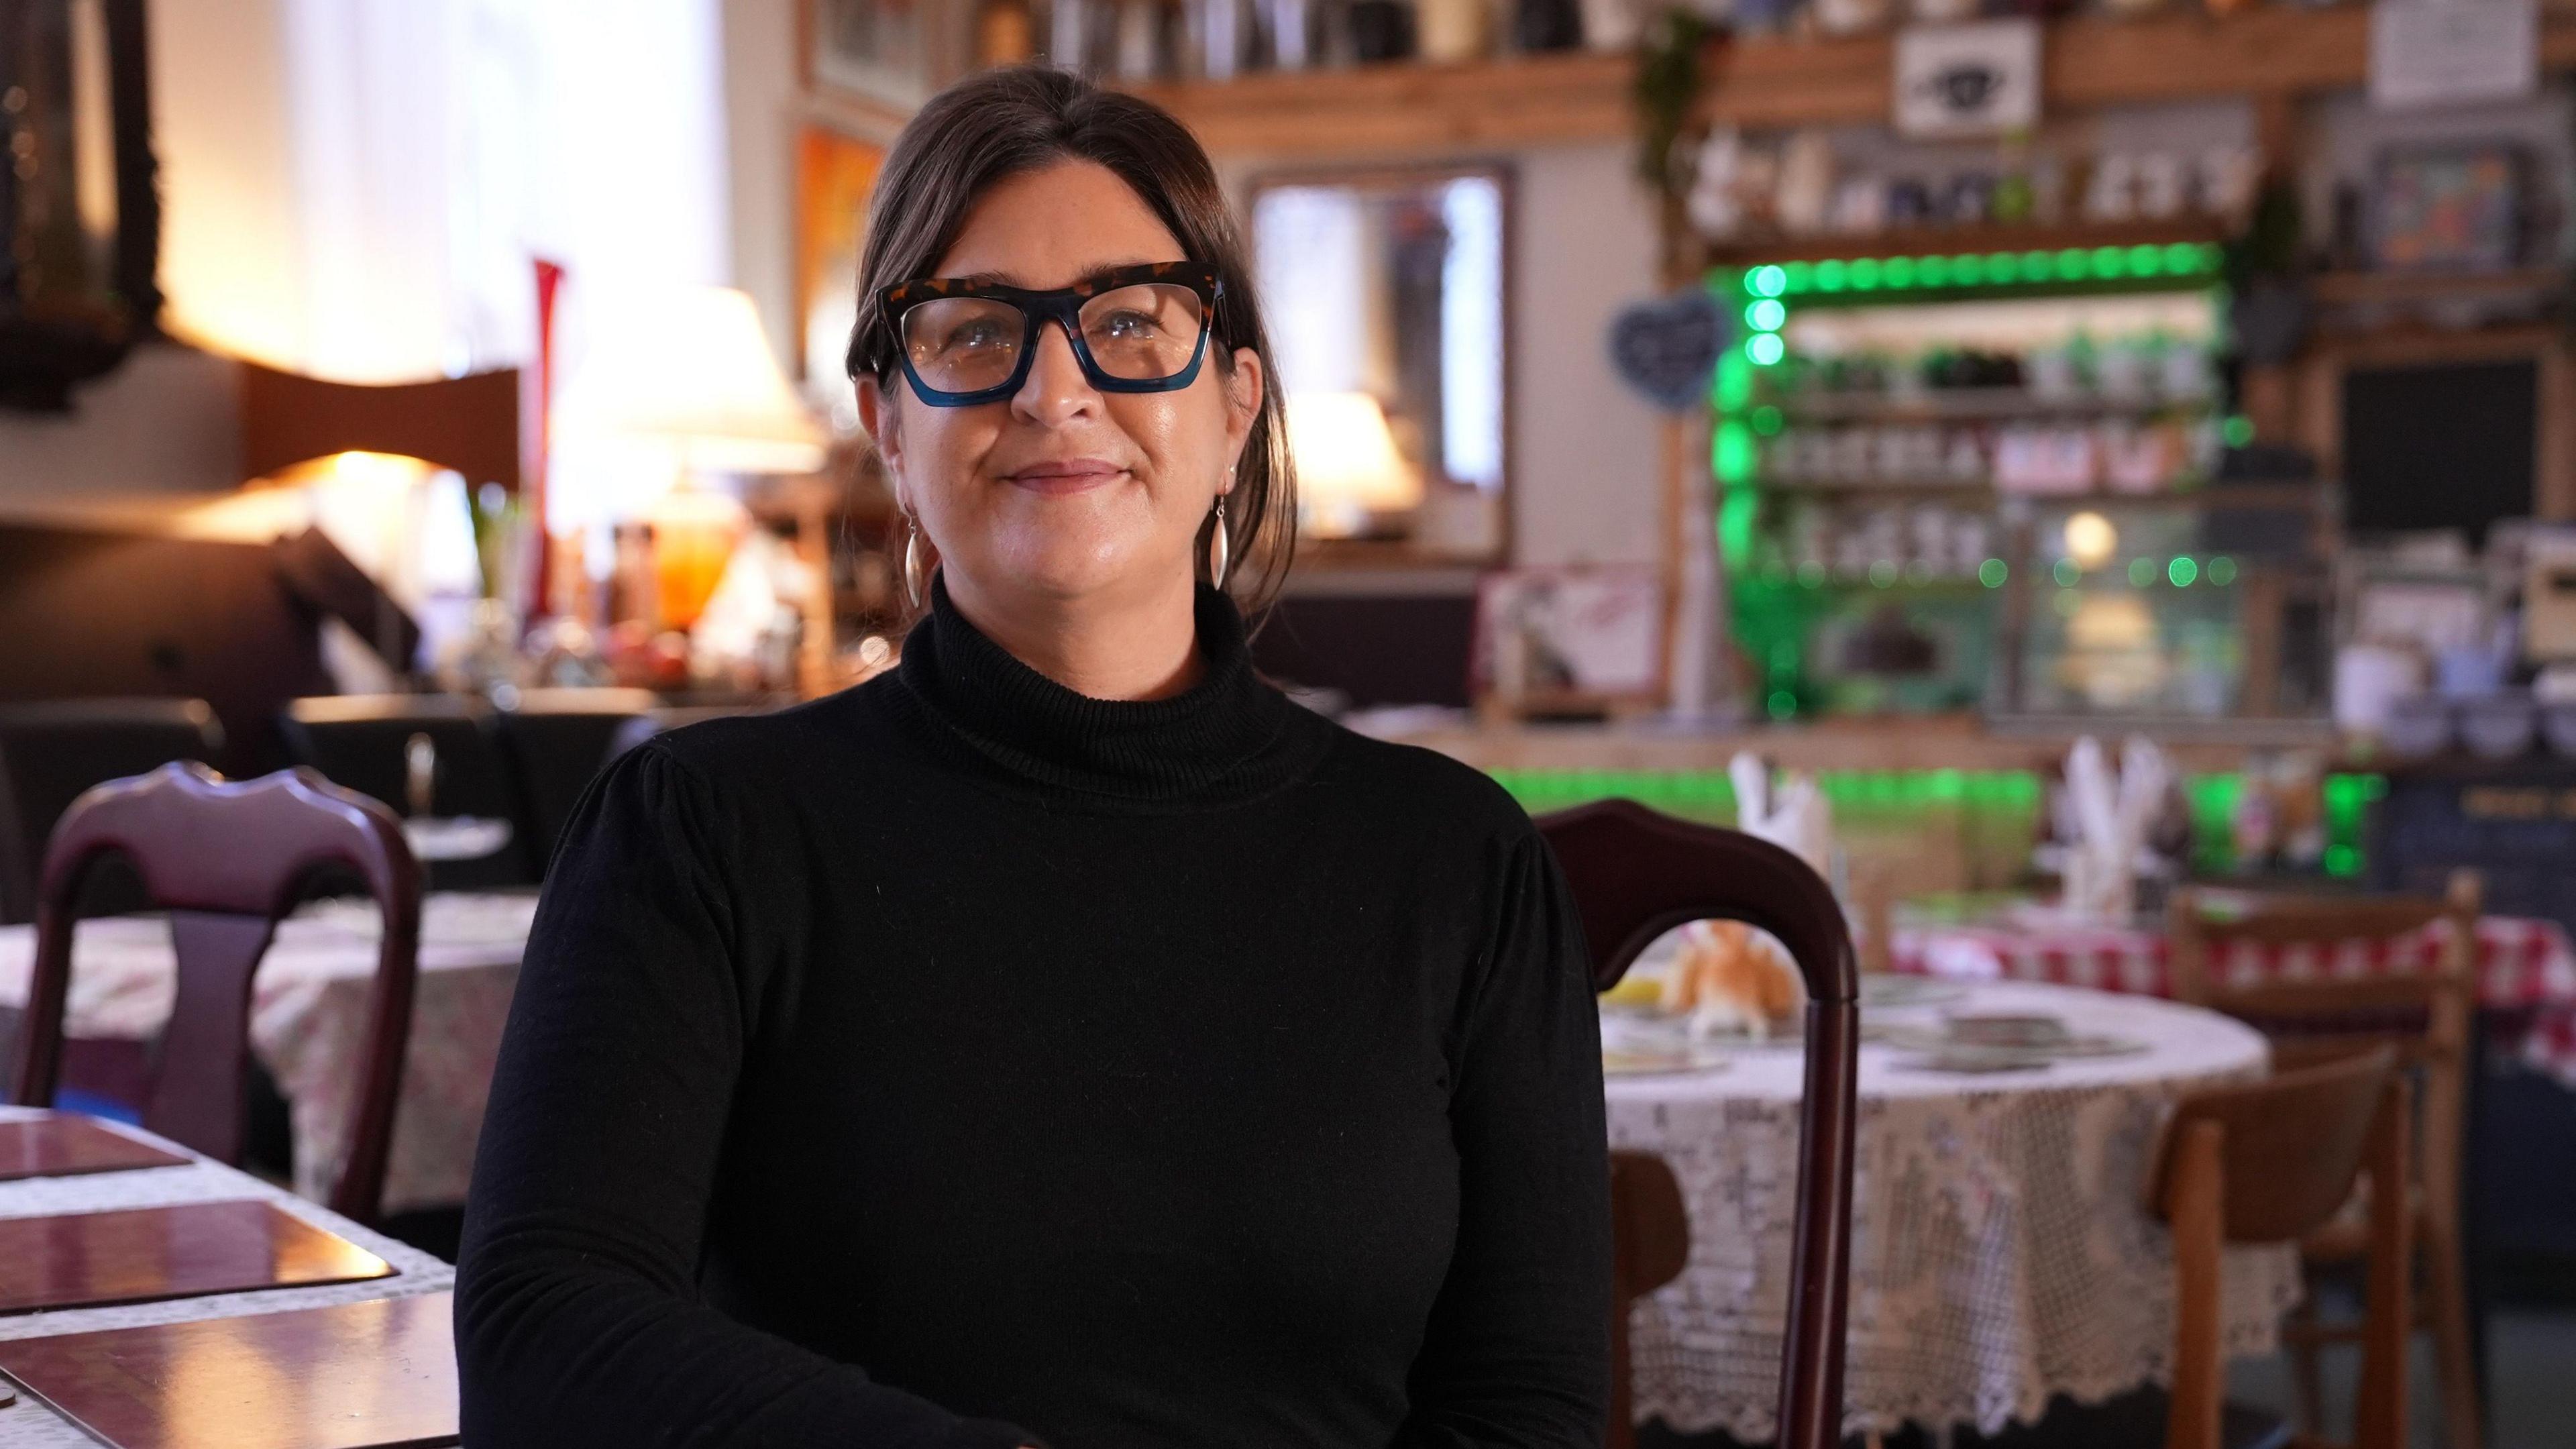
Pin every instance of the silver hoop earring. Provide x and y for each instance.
(914, 576)
(1218, 546)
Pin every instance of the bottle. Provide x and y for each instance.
(1005, 32)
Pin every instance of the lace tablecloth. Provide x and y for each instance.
(2526, 967)
(308, 1022)
(2000, 1249)
(30, 1425)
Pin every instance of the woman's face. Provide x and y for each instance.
(1063, 492)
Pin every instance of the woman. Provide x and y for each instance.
(1063, 1039)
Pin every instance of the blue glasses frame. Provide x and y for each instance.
(1064, 308)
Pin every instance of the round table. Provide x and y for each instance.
(2001, 1249)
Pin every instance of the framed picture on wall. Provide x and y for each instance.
(834, 174)
(881, 54)
(1575, 638)
(2449, 208)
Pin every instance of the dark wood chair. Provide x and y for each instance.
(2426, 1017)
(555, 741)
(2272, 1162)
(1636, 874)
(1650, 1237)
(53, 750)
(368, 743)
(227, 861)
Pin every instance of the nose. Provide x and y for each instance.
(1055, 390)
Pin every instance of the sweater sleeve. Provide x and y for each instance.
(578, 1319)
(1517, 1350)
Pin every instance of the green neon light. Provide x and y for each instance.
(1829, 276)
(2075, 263)
(1733, 461)
(1766, 420)
(1882, 574)
(1767, 281)
(2142, 572)
(2002, 267)
(1765, 348)
(1992, 573)
(2237, 431)
(2146, 260)
(1811, 574)
(1864, 274)
(1933, 271)
(2222, 571)
(1797, 277)
(1899, 271)
(1766, 315)
(2066, 573)
(1967, 271)
(2182, 571)
(1783, 704)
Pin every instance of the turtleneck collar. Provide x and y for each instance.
(1223, 737)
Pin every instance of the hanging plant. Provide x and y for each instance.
(1667, 85)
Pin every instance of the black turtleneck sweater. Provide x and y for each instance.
(960, 1061)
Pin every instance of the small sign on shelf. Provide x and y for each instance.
(1979, 79)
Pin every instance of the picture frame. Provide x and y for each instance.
(1976, 79)
(835, 172)
(2450, 207)
(1589, 639)
(880, 56)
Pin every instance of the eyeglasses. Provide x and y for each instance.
(1134, 329)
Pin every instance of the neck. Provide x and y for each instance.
(1131, 645)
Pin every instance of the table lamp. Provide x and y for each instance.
(1348, 467)
(691, 373)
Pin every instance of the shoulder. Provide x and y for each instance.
(755, 751)
(1422, 789)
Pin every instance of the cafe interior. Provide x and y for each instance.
(2090, 484)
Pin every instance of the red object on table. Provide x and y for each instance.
(374, 1375)
(145, 1255)
(63, 1144)
(2523, 965)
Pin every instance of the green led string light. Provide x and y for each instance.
(2036, 267)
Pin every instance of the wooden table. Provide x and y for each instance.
(28, 1424)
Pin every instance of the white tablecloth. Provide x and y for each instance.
(2000, 1250)
(308, 1022)
(28, 1424)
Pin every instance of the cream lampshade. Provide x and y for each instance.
(1348, 467)
(692, 370)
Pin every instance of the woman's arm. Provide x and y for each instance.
(1518, 1348)
(578, 1319)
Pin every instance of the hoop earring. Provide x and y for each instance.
(915, 577)
(1218, 546)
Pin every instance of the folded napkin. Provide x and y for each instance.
(1796, 817)
(2112, 817)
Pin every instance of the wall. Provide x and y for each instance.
(762, 111)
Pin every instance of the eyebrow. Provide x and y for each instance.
(1089, 275)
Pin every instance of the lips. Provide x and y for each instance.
(1070, 475)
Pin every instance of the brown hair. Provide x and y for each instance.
(1014, 119)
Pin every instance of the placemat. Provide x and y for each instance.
(379, 1374)
(66, 1144)
(139, 1255)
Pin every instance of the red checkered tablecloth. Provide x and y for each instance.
(2526, 967)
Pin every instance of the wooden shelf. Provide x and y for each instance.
(1771, 81)
(1978, 238)
(2375, 288)
(1975, 404)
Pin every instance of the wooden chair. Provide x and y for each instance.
(51, 751)
(2426, 1017)
(366, 743)
(2271, 1162)
(1650, 1233)
(227, 860)
(1636, 874)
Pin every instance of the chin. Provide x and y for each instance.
(1067, 569)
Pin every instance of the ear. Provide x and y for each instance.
(1244, 384)
(877, 416)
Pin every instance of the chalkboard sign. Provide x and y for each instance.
(1667, 349)
(2513, 822)
(2447, 446)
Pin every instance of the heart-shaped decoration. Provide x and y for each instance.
(1668, 348)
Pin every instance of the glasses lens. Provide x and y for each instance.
(1143, 333)
(964, 344)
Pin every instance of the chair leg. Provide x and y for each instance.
(2307, 1380)
(2447, 1312)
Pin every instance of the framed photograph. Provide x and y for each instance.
(883, 54)
(2449, 208)
(1978, 79)
(1555, 639)
(834, 174)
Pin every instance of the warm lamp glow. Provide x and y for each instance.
(693, 372)
(1347, 463)
(2091, 540)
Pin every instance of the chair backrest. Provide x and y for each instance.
(365, 742)
(52, 751)
(2425, 1016)
(556, 740)
(2269, 1162)
(1650, 1239)
(1636, 874)
(227, 860)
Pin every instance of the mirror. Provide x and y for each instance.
(1385, 292)
(79, 226)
